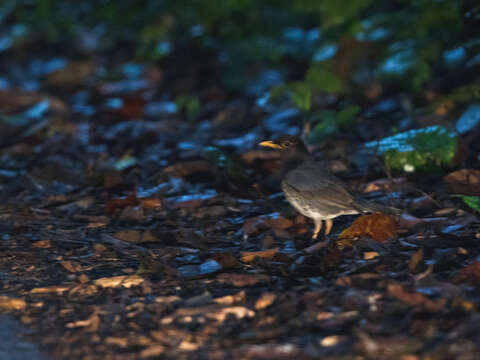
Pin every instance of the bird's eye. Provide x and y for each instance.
(286, 144)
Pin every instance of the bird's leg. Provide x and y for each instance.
(328, 226)
(318, 227)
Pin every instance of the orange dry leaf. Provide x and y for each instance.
(11, 304)
(279, 223)
(151, 203)
(253, 225)
(241, 280)
(132, 200)
(464, 181)
(379, 227)
(444, 107)
(186, 168)
(416, 261)
(227, 260)
(189, 204)
(370, 255)
(414, 298)
(71, 266)
(388, 184)
(132, 107)
(42, 244)
(470, 274)
(249, 256)
(119, 203)
(265, 301)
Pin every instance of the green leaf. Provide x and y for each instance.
(472, 201)
(346, 116)
(301, 95)
(321, 78)
(325, 126)
(277, 92)
(190, 105)
(423, 150)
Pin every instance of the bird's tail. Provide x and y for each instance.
(364, 206)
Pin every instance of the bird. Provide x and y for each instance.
(314, 191)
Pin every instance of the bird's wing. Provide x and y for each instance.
(320, 188)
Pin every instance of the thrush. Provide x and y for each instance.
(312, 190)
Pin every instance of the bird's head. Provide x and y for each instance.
(288, 145)
(291, 148)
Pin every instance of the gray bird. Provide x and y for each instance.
(312, 190)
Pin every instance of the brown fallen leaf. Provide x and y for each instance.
(470, 274)
(131, 236)
(379, 227)
(136, 236)
(186, 345)
(151, 203)
(399, 347)
(189, 205)
(99, 247)
(92, 218)
(59, 289)
(414, 298)
(71, 266)
(416, 263)
(241, 280)
(275, 351)
(333, 340)
(91, 324)
(14, 102)
(8, 304)
(216, 312)
(409, 222)
(255, 224)
(149, 265)
(118, 341)
(153, 351)
(132, 107)
(227, 260)
(42, 244)
(368, 255)
(239, 312)
(119, 203)
(148, 237)
(387, 184)
(72, 75)
(250, 256)
(83, 279)
(464, 181)
(112, 179)
(122, 280)
(96, 225)
(265, 301)
(444, 106)
(238, 298)
(280, 223)
(132, 213)
(267, 241)
(186, 168)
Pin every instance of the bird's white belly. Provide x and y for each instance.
(307, 210)
(302, 208)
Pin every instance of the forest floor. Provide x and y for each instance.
(129, 232)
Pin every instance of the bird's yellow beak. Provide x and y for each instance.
(270, 144)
